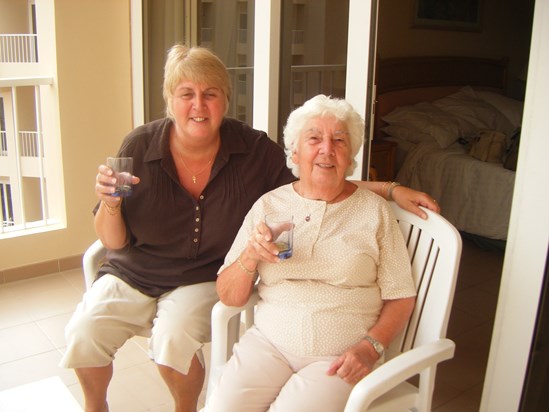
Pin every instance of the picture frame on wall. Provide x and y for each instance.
(460, 15)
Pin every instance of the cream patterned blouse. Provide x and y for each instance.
(347, 258)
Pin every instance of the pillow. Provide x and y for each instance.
(408, 134)
(423, 117)
(511, 108)
(489, 147)
(466, 105)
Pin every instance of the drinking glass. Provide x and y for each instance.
(282, 230)
(123, 169)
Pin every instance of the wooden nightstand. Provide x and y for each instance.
(382, 159)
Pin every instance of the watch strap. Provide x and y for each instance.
(377, 345)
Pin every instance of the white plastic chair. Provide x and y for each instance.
(91, 260)
(434, 246)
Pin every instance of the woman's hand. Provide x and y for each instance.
(108, 222)
(410, 200)
(355, 363)
(260, 245)
(235, 283)
(105, 185)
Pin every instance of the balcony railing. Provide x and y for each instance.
(29, 144)
(241, 79)
(18, 48)
(310, 80)
(3, 144)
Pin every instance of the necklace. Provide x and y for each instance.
(297, 188)
(195, 174)
(298, 191)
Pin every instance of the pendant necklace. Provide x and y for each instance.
(195, 174)
(308, 215)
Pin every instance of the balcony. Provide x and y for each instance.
(28, 149)
(309, 80)
(18, 48)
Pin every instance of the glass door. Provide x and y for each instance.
(313, 52)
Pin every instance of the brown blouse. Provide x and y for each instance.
(178, 240)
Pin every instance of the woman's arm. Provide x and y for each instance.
(392, 319)
(358, 361)
(406, 198)
(235, 283)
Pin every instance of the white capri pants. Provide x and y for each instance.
(259, 377)
(112, 312)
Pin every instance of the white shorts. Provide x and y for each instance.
(112, 312)
(260, 378)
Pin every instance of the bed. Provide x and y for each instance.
(434, 108)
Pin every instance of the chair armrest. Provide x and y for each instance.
(222, 313)
(397, 370)
(225, 333)
(90, 261)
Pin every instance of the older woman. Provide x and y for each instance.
(327, 313)
(198, 173)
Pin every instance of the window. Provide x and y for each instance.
(313, 52)
(31, 186)
(7, 208)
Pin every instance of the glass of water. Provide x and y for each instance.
(122, 168)
(281, 226)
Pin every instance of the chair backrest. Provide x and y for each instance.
(434, 246)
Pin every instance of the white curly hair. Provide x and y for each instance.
(320, 106)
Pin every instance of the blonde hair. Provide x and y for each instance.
(320, 106)
(196, 64)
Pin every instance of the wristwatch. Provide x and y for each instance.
(378, 347)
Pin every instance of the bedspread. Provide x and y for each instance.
(475, 196)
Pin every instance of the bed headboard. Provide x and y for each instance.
(408, 80)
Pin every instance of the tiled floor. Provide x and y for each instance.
(33, 314)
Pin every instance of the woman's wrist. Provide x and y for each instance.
(249, 267)
(388, 188)
(112, 210)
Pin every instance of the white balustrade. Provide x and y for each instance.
(18, 48)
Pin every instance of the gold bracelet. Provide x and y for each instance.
(390, 190)
(245, 269)
(112, 210)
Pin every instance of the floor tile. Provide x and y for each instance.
(75, 278)
(54, 328)
(45, 296)
(130, 354)
(47, 395)
(34, 368)
(467, 401)
(476, 302)
(12, 312)
(22, 341)
(139, 387)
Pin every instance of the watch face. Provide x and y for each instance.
(377, 346)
